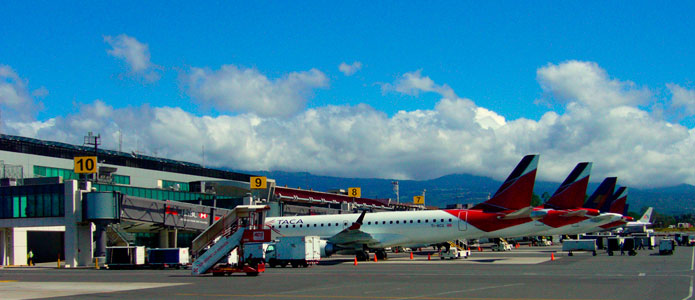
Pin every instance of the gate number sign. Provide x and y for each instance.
(85, 164)
(258, 182)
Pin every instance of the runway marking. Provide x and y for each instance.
(692, 261)
(642, 274)
(690, 294)
(466, 290)
(33, 290)
(357, 297)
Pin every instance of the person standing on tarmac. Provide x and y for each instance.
(30, 258)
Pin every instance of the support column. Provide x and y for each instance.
(3, 247)
(16, 246)
(164, 238)
(78, 234)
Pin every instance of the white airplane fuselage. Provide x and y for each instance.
(386, 228)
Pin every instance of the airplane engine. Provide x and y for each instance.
(327, 249)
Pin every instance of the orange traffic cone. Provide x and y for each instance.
(552, 256)
(355, 260)
(480, 249)
(374, 257)
(429, 256)
(411, 255)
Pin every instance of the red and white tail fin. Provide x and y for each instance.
(602, 193)
(572, 191)
(517, 190)
(617, 202)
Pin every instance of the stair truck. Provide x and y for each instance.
(211, 248)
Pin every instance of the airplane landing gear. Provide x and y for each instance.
(362, 255)
(380, 254)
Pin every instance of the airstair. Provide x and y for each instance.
(243, 224)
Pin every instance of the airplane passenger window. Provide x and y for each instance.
(384, 222)
(396, 222)
(390, 222)
(300, 225)
(405, 221)
(369, 223)
(418, 221)
(336, 224)
(449, 219)
(427, 220)
(411, 221)
(329, 224)
(321, 224)
(293, 226)
(315, 224)
(443, 220)
(434, 220)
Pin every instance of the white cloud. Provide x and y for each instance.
(413, 83)
(247, 90)
(351, 69)
(587, 83)
(16, 101)
(455, 136)
(682, 98)
(135, 54)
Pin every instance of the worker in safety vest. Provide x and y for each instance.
(30, 258)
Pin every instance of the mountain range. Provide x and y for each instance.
(465, 189)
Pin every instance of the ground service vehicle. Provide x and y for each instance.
(298, 251)
(579, 245)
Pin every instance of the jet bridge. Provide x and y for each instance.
(142, 214)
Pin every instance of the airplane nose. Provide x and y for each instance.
(538, 214)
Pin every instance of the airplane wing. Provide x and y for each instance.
(576, 213)
(526, 212)
(352, 234)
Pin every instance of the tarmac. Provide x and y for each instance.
(523, 273)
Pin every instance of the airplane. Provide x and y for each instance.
(640, 226)
(360, 233)
(590, 220)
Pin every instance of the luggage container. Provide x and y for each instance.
(579, 245)
(613, 244)
(125, 257)
(168, 257)
(666, 246)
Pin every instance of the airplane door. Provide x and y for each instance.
(463, 220)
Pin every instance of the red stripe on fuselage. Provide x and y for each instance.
(485, 221)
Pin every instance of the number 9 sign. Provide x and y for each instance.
(355, 192)
(258, 182)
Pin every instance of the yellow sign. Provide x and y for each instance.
(259, 182)
(355, 192)
(419, 200)
(85, 164)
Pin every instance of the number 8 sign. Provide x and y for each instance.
(355, 192)
(258, 182)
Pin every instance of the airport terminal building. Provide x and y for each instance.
(47, 207)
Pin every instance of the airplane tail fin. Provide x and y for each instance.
(647, 215)
(617, 203)
(571, 192)
(517, 190)
(602, 193)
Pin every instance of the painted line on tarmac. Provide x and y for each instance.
(355, 297)
(690, 294)
(466, 290)
(692, 261)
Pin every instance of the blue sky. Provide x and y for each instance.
(609, 82)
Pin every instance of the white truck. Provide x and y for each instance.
(298, 251)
